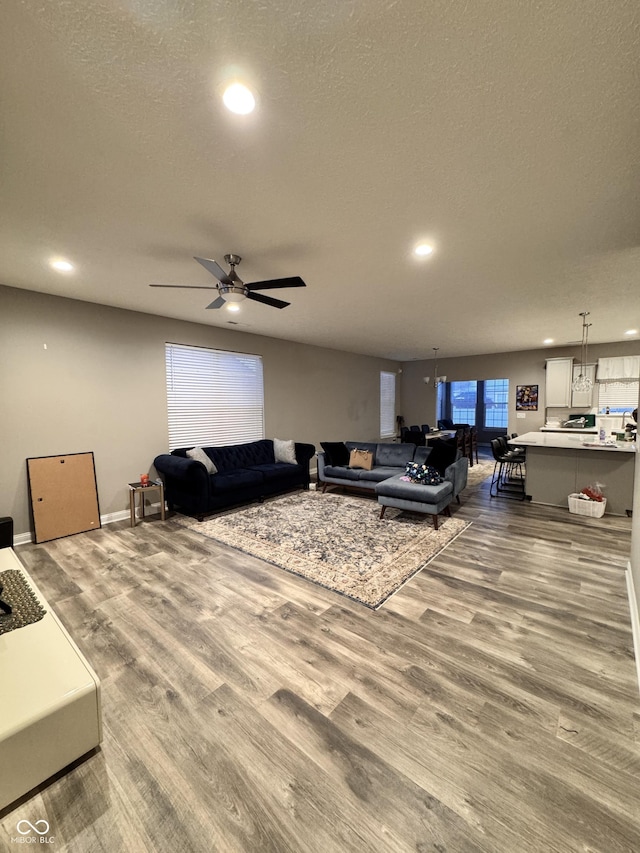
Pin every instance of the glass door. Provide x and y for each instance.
(480, 403)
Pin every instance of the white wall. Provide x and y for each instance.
(99, 385)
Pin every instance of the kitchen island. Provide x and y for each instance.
(559, 464)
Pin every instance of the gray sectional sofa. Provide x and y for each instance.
(389, 460)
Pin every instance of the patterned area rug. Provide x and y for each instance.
(479, 473)
(334, 540)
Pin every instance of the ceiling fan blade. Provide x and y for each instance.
(267, 300)
(187, 286)
(294, 281)
(215, 269)
(217, 303)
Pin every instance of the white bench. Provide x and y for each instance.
(50, 700)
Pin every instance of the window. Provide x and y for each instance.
(496, 403)
(480, 403)
(464, 396)
(387, 404)
(213, 397)
(618, 396)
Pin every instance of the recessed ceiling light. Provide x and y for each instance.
(239, 99)
(631, 332)
(422, 250)
(61, 265)
(233, 306)
(547, 341)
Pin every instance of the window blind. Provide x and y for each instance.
(213, 397)
(618, 396)
(387, 404)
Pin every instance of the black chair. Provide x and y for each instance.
(473, 444)
(463, 441)
(508, 479)
(426, 428)
(412, 436)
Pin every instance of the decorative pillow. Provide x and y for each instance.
(199, 455)
(336, 452)
(426, 475)
(285, 451)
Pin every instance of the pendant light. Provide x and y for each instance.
(582, 383)
(437, 380)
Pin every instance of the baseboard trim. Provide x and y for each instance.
(635, 619)
(108, 518)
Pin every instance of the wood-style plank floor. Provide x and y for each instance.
(491, 705)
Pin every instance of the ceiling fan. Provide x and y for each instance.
(231, 288)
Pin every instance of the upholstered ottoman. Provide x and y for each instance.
(402, 494)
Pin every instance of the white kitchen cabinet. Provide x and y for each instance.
(583, 399)
(558, 382)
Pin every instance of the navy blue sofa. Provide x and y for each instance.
(246, 472)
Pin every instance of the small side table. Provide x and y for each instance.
(138, 488)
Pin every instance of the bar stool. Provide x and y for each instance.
(508, 471)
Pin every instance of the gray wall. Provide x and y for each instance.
(100, 386)
(418, 401)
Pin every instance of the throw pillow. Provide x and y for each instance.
(442, 455)
(336, 452)
(285, 451)
(199, 455)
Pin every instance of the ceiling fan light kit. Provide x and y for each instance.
(231, 289)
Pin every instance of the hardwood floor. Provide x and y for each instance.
(491, 705)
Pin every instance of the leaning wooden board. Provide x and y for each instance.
(64, 495)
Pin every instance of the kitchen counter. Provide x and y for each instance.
(559, 464)
(569, 440)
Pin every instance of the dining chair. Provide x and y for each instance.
(473, 445)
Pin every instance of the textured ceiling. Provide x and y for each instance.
(508, 133)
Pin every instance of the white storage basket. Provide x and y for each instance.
(594, 509)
